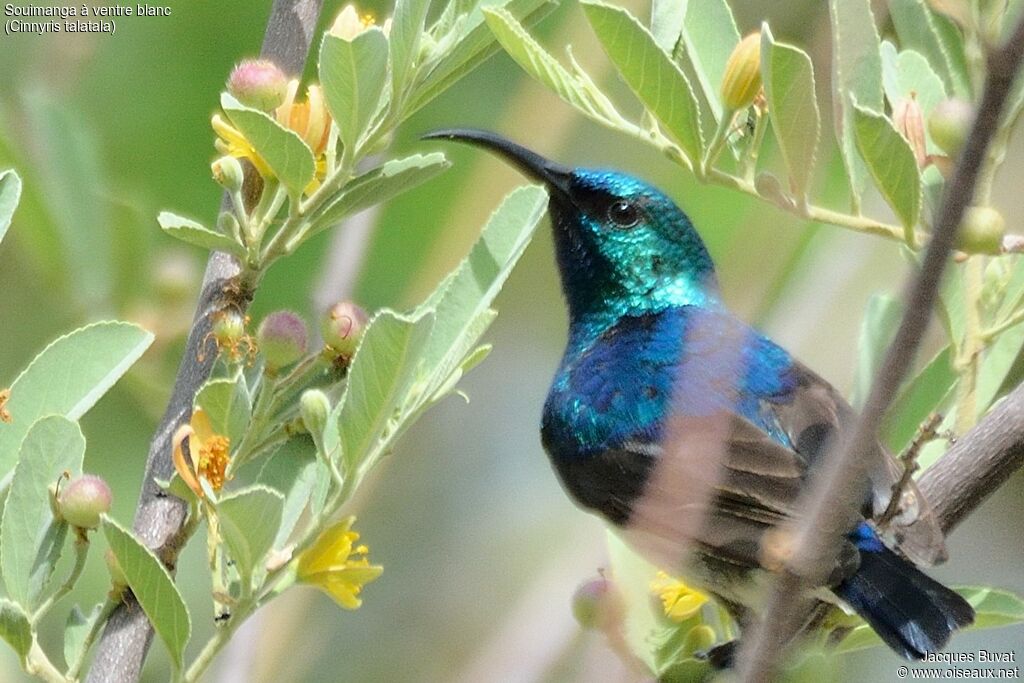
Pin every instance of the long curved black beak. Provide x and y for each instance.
(556, 176)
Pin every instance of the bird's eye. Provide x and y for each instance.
(623, 214)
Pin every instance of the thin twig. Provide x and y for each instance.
(833, 502)
(159, 517)
(925, 433)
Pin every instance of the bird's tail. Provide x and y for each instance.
(912, 613)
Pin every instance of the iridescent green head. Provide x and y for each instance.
(623, 246)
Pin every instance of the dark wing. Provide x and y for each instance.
(766, 420)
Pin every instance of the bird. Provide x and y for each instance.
(692, 434)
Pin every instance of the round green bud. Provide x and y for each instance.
(228, 173)
(314, 407)
(596, 603)
(282, 339)
(982, 231)
(342, 327)
(742, 79)
(83, 501)
(950, 123)
(258, 83)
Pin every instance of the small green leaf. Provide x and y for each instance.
(856, 76)
(249, 522)
(286, 154)
(919, 398)
(909, 72)
(540, 65)
(68, 377)
(10, 194)
(876, 333)
(15, 628)
(477, 281)
(891, 162)
(474, 45)
(404, 42)
(153, 588)
(291, 471)
(936, 38)
(380, 185)
(76, 629)
(788, 77)
(709, 36)
(353, 74)
(196, 234)
(31, 539)
(227, 403)
(650, 73)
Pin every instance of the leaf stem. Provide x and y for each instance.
(989, 335)
(81, 552)
(75, 667)
(38, 664)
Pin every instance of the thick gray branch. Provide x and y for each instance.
(832, 505)
(978, 463)
(158, 518)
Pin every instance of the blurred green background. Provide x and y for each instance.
(481, 548)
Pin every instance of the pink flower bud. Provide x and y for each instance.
(342, 327)
(282, 339)
(258, 83)
(83, 501)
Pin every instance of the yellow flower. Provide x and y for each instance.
(679, 601)
(335, 565)
(231, 142)
(208, 453)
(349, 24)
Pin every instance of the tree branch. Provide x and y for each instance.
(835, 496)
(978, 463)
(159, 517)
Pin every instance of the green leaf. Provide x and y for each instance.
(249, 521)
(650, 73)
(288, 157)
(788, 77)
(856, 77)
(227, 403)
(68, 377)
(353, 74)
(1001, 358)
(10, 194)
(936, 38)
(76, 629)
(891, 162)
(15, 628)
(909, 72)
(196, 234)
(919, 398)
(404, 43)
(291, 471)
(152, 587)
(539, 64)
(31, 539)
(474, 45)
(876, 333)
(382, 371)
(667, 22)
(458, 323)
(709, 36)
(380, 185)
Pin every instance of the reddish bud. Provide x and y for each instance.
(258, 83)
(83, 501)
(282, 339)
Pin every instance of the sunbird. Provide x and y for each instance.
(693, 434)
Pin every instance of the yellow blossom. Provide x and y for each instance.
(679, 601)
(208, 453)
(337, 566)
(231, 142)
(349, 24)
